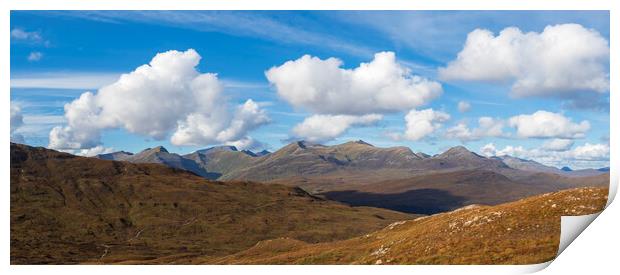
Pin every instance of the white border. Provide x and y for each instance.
(596, 243)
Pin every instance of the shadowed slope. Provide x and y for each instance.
(439, 192)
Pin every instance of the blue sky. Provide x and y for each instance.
(58, 55)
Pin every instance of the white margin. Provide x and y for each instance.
(8, 5)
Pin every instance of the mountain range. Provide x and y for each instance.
(361, 174)
(305, 159)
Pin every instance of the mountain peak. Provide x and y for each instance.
(304, 144)
(220, 148)
(566, 168)
(457, 150)
(423, 155)
(225, 148)
(119, 155)
(158, 149)
(355, 143)
(359, 141)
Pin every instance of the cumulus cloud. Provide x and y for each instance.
(317, 128)
(35, 56)
(17, 120)
(543, 124)
(205, 128)
(91, 152)
(166, 95)
(420, 124)
(488, 150)
(464, 106)
(562, 61)
(584, 156)
(324, 87)
(591, 152)
(247, 143)
(558, 144)
(487, 127)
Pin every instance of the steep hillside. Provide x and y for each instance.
(67, 209)
(119, 156)
(221, 160)
(460, 157)
(160, 155)
(522, 232)
(312, 165)
(305, 159)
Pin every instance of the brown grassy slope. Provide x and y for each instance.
(68, 209)
(522, 232)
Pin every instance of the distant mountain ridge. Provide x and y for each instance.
(303, 160)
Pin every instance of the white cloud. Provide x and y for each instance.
(38, 126)
(247, 143)
(74, 80)
(420, 124)
(323, 86)
(318, 128)
(464, 106)
(165, 95)
(17, 120)
(558, 144)
(206, 128)
(543, 124)
(488, 150)
(487, 127)
(35, 56)
(584, 156)
(91, 152)
(562, 61)
(591, 152)
(23, 35)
